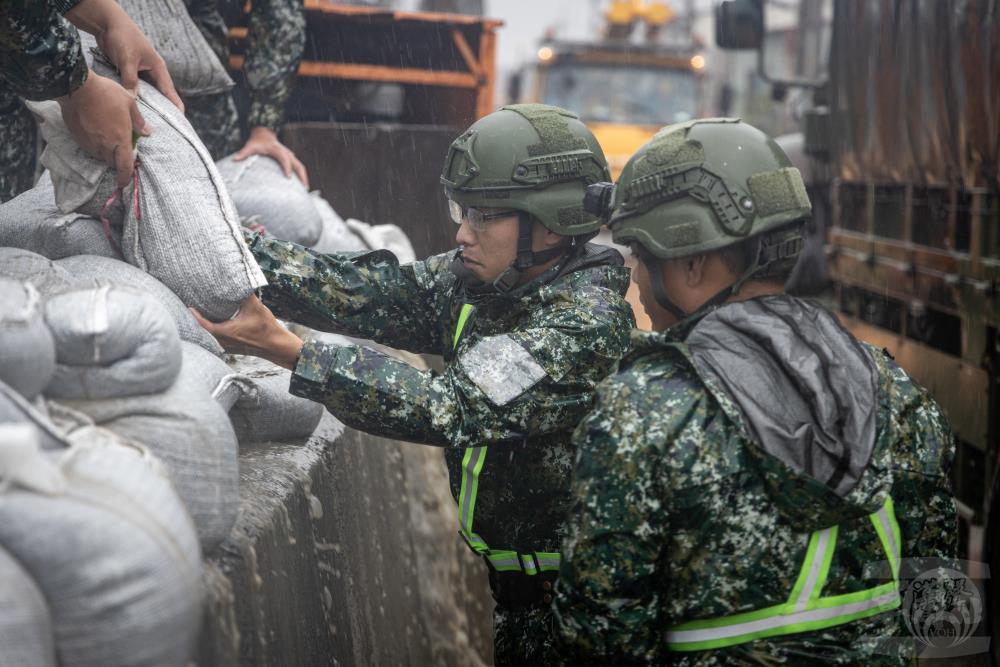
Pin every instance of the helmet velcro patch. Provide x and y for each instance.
(552, 127)
(778, 191)
(670, 148)
(572, 216)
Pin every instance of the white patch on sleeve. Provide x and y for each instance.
(501, 368)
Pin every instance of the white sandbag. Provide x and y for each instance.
(32, 221)
(265, 411)
(25, 624)
(384, 237)
(259, 188)
(27, 352)
(15, 410)
(255, 394)
(178, 222)
(191, 434)
(88, 271)
(192, 64)
(102, 533)
(111, 342)
(336, 235)
(28, 266)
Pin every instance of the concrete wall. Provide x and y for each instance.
(346, 553)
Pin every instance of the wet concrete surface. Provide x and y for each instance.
(345, 553)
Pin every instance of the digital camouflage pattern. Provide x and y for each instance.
(274, 47)
(40, 54)
(574, 325)
(18, 134)
(216, 121)
(40, 59)
(674, 518)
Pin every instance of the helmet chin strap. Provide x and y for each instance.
(526, 258)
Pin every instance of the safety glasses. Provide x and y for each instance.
(477, 219)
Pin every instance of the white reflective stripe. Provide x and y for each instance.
(779, 621)
(815, 568)
(549, 562)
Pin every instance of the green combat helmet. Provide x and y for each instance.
(535, 159)
(704, 185)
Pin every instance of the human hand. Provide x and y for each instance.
(102, 116)
(128, 49)
(257, 332)
(263, 141)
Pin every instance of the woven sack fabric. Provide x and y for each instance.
(111, 342)
(27, 352)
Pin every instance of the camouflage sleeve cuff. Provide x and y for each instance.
(43, 59)
(312, 368)
(269, 114)
(63, 6)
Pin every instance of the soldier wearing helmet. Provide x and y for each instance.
(528, 316)
(750, 457)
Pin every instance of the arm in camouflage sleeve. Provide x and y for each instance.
(607, 605)
(921, 492)
(358, 294)
(40, 54)
(529, 382)
(276, 41)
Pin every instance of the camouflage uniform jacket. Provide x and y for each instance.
(40, 54)
(275, 43)
(685, 507)
(519, 379)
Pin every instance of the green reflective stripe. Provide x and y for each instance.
(805, 610)
(472, 466)
(463, 317)
(508, 561)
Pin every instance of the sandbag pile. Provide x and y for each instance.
(176, 218)
(280, 203)
(32, 221)
(103, 540)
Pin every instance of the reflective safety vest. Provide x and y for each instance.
(806, 609)
(472, 466)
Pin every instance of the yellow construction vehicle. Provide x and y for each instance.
(624, 86)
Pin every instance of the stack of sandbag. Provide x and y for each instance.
(100, 534)
(255, 394)
(280, 203)
(32, 221)
(91, 271)
(177, 220)
(352, 235)
(111, 342)
(121, 363)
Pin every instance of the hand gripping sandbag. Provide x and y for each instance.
(336, 235)
(191, 434)
(87, 271)
(27, 352)
(25, 624)
(28, 266)
(260, 188)
(179, 224)
(102, 533)
(193, 66)
(111, 342)
(31, 221)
